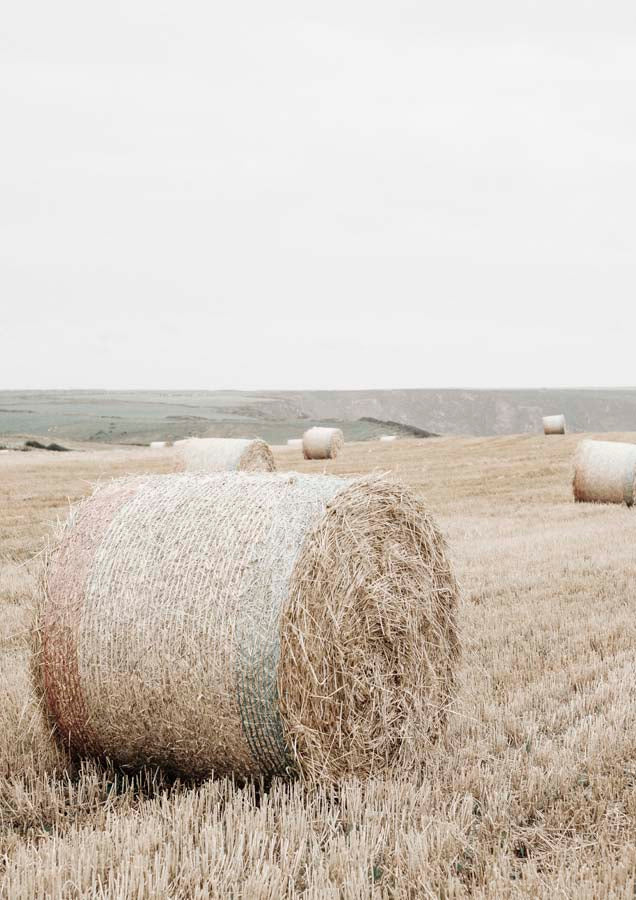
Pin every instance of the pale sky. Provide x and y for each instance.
(332, 195)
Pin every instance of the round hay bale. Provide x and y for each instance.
(250, 624)
(225, 455)
(322, 443)
(388, 437)
(297, 443)
(554, 424)
(158, 445)
(605, 472)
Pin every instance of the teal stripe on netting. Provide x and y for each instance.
(257, 697)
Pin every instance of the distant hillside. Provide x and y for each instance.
(476, 412)
(142, 416)
(399, 428)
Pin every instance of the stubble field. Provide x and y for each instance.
(530, 793)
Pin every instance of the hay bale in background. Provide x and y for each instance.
(158, 445)
(605, 472)
(388, 437)
(224, 455)
(554, 424)
(297, 443)
(253, 624)
(322, 443)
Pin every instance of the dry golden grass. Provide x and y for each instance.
(532, 792)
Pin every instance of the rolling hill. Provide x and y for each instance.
(141, 416)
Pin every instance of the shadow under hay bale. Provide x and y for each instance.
(322, 443)
(250, 624)
(225, 455)
(554, 424)
(605, 472)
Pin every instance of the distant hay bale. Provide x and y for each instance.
(157, 445)
(554, 424)
(225, 455)
(322, 443)
(605, 472)
(250, 624)
(297, 443)
(388, 437)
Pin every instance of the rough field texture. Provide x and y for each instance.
(532, 792)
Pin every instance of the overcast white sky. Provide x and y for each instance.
(345, 194)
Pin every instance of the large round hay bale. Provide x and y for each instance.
(254, 624)
(225, 455)
(322, 443)
(605, 472)
(554, 424)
